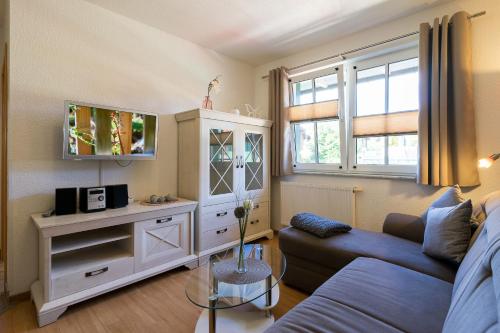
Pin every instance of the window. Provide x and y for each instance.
(359, 120)
(316, 123)
(385, 103)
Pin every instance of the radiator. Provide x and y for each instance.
(330, 201)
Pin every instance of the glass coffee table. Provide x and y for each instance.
(237, 302)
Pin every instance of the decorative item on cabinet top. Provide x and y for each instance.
(156, 200)
(253, 111)
(214, 85)
(222, 116)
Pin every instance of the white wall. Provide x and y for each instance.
(70, 49)
(381, 196)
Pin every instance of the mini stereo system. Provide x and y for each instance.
(91, 199)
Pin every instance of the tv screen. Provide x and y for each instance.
(102, 132)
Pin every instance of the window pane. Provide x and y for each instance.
(305, 146)
(370, 150)
(326, 88)
(370, 91)
(328, 141)
(403, 85)
(403, 149)
(303, 92)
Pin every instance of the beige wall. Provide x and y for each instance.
(4, 35)
(71, 49)
(381, 196)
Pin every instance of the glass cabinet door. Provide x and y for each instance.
(254, 152)
(221, 161)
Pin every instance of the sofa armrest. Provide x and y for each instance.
(405, 226)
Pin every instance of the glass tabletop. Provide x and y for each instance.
(207, 289)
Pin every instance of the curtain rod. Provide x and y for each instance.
(342, 54)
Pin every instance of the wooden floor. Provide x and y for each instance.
(154, 305)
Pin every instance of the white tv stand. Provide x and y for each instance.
(85, 255)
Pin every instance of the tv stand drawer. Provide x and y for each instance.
(91, 276)
(161, 240)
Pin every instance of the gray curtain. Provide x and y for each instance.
(447, 136)
(279, 101)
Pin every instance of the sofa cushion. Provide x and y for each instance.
(339, 250)
(452, 197)
(402, 299)
(447, 232)
(318, 225)
(475, 306)
(322, 315)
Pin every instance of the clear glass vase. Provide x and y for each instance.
(241, 265)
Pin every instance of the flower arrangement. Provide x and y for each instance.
(214, 85)
(242, 213)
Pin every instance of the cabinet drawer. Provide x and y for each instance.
(261, 209)
(217, 216)
(257, 225)
(259, 218)
(161, 240)
(91, 276)
(220, 236)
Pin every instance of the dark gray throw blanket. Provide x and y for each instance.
(317, 225)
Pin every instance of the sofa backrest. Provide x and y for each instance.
(475, 300)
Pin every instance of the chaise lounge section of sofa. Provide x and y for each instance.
(312, 260)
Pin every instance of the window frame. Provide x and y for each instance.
(322, 167)
(346, 78)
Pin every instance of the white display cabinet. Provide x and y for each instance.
(224, 157)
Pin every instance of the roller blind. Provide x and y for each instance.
(315, 111)
(386, 124)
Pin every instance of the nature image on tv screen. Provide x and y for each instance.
(98, 131)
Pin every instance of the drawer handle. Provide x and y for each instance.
(96, 272)
(254, 222)
(168, 219)
(221, 231)
(221, 214)
(257, 206)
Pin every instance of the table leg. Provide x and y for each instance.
(212, 302)
(212, 319)
(269, 294)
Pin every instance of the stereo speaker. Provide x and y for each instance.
(65, 201)
(116, 196)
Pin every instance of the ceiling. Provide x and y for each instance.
(257, 31)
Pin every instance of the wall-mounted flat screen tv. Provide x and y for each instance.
(102, 132)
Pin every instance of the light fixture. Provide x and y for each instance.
(487, 162)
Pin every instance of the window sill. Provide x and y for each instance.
(398, 176)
